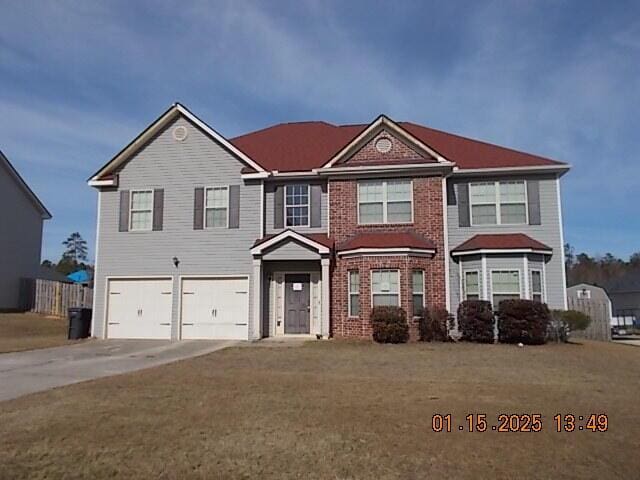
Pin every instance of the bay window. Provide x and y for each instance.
(354, 293)
(505, 285)
(417, 284)
(536, 285)
(472, 285)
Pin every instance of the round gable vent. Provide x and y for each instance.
(383, 145)
(180, 133)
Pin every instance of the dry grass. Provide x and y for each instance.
(334, 410)
(28, 331)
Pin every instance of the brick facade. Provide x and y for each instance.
(400, 152)
(428, 222)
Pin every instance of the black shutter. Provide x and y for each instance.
(124, 211)
(533, 199)
(278, 207)
(234, 206)
(158, 208)
(316, 205)
(198, 209)
(451, 193)
(464, 216)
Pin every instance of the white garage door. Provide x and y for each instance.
(215, 308)
(139, 308)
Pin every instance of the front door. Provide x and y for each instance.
(297, 303)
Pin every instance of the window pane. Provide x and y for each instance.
(141, 220)
(506, 282)
(473, 297)
(384, 281)
(498, 298)
(354, 305)
(297, 216)
(512, 192)
(370, 213)
(297, 195)
(537, 297)
(483, 214)
(141, 200)
(399, 212)
(513, 213)
(354, 282)
(216, 217)
(482, 192)
(380, 300)
(536, 281)
(418, 304)
(398, 190)
(472, 283)
(417, 281)
(370, 191)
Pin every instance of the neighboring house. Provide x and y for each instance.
(593, 301)
(625, 298)
(300, 228)
(21, 219)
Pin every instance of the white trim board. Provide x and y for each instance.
(387, 251)
(258, 249)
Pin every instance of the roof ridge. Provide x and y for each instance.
(280, 124)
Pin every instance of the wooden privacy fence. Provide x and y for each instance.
(49, 297)
(600, 326)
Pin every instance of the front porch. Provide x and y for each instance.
(291, 274)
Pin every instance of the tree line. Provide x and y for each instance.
(74, 257)
(603, 270)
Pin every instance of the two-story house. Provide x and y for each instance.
(302, 228)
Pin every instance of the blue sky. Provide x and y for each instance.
(80, 79)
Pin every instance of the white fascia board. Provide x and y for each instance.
(384, 121)
(387, 251)
(561, 169)
(255, 176)
(258, 249)
(367, 169)
(490, 251)
(103, 183)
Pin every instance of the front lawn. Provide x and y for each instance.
(28, 331)
(335, 410)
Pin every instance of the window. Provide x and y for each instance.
(354, 293)
(296, 206)
(385, 201)
(216, 211)
(417, 282)
(141, 210)
(498, 203)
(584, 294)
(472, 285)
(536, 285)
(505, 285)
(385, 287)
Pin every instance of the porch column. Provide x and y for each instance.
(256, 330)
(326, 301)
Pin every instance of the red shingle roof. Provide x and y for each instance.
(387, 240)
(301, 146)
(502, 241)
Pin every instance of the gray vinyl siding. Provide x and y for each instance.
(20, 239)
(178, 168)
(269, 192)
(548, 232)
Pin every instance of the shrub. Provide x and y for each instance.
(523, 321)
(574, 319)
(475, 321)
(389, 325)
(434, 325)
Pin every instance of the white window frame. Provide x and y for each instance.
(385, 201)
(383, 293)
(350, 293)
(413, 291)
(508, 270)
(541, 292)
(583, 294)
(131, 210)
(308, 204)
(497, 203)
(465, 289)
(205, 208)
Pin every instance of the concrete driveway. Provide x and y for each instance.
(36, 370)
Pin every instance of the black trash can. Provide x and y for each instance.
(79, 323)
